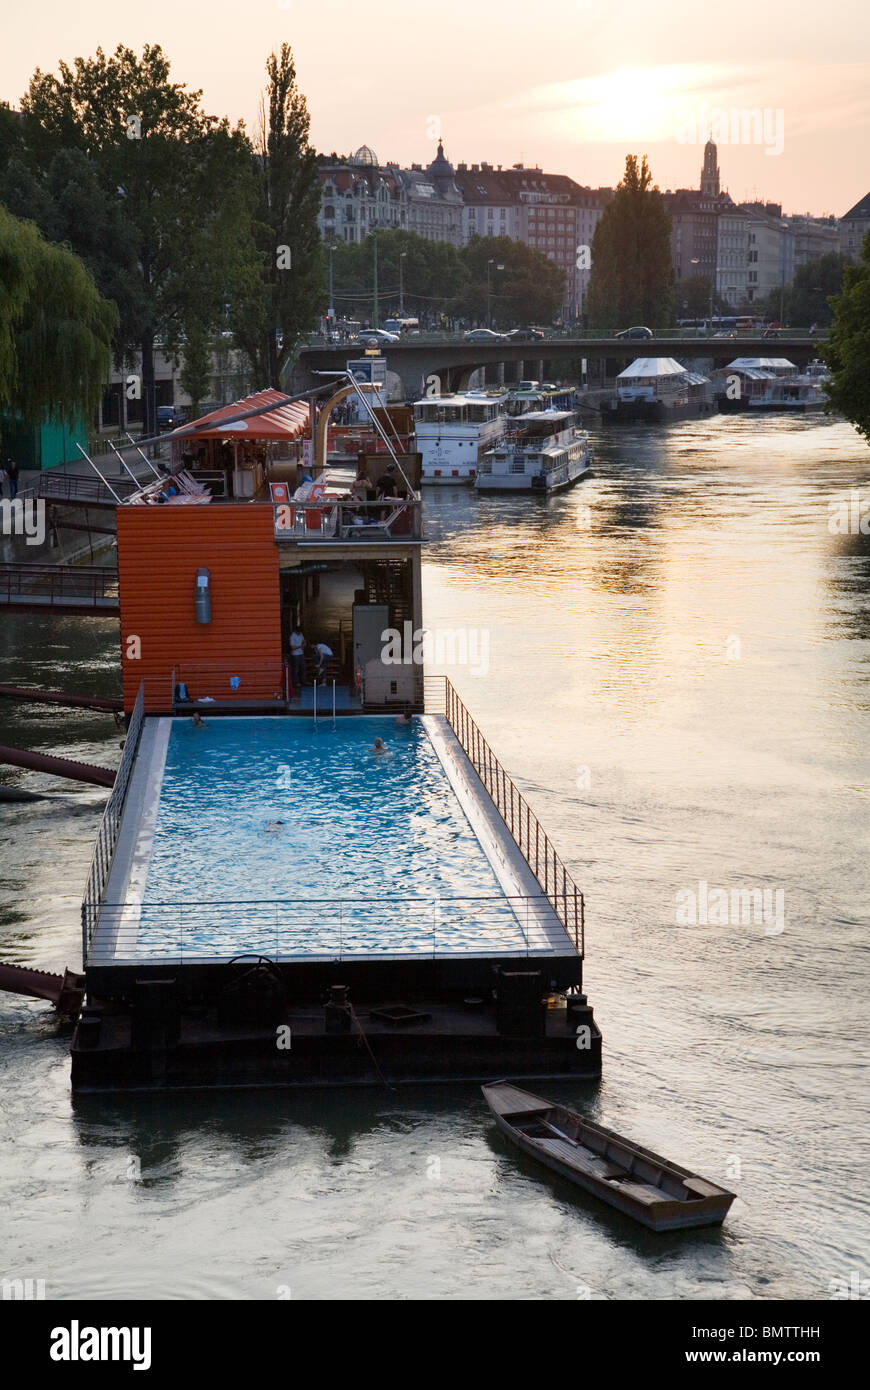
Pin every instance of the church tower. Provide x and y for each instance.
(710, 172)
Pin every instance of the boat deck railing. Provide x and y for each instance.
(262, 683)
(60, 586)
(341, 519)
(107, 836)
(325, 928)
(534, 844)
(82, 491)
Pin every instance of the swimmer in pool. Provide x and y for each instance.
(274, 827)
(197, 721)
(403, 720)
(379, 747)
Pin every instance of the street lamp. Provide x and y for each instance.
(375, 285)
(402, 255)
(489, 290)
(331, 287)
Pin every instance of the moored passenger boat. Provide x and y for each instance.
(543, 451)
(454, 432)
(658, 389)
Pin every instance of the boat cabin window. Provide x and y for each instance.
(436, 412)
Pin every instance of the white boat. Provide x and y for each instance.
(534, 395)
(801, 392)
(658, 388)
(543, 451)
(454, 432)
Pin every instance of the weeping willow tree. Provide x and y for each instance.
(55, 328)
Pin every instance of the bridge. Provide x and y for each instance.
(453, 361)
(60, 588)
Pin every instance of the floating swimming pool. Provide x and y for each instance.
(297, 839)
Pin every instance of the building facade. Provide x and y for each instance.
(853, 228)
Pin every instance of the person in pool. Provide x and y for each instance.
(379, 747)
(197, 721)
(403, 720)
(274, 827)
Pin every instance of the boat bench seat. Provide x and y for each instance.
(579, 1158)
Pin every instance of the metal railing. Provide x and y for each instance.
(325, 928)
(246, 682)
(82, 491)
(534, 844)
(399, 519)
(87, 584)
(107, 836)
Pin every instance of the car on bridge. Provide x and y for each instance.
(526, 335)
(637, 332)
(484, 335)
(376, 337)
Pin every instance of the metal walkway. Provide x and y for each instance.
(68, 588)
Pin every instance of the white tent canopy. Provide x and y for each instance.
(654, 367)
(761, 364)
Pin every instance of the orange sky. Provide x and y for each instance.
(572, 85)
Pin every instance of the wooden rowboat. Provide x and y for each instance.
(639, 1183)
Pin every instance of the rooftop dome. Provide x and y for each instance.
(440, 166)
(365, 155)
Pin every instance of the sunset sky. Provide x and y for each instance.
(572, 85)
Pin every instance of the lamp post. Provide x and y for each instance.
(375, 286)
(695, 261)
(402, 255)
(490, 262)
(331, 289)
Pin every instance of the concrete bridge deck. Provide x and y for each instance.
(453, 361)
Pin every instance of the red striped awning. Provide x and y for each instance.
(284, 422)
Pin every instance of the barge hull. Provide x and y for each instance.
(452, 1045)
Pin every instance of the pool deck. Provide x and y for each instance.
(542, 932)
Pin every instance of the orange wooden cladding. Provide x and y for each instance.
(160, 550)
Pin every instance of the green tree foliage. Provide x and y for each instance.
(285, 286)
(443, 279)
(847, 351)
(692, 298)
(530, 289)
(433, 273)
(155, 194)
(807, 300)
(631, 280)
(55, 328)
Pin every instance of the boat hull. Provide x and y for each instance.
(654, 412)
(669, 1213)
(490, 482)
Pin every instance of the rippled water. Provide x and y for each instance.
(677, 675)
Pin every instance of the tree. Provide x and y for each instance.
(529, 288)
(285, 289)
(433, 274)
(55, 328)
(847, 351)
(693, 297)
(807, 300)
(169, 234)
(631, 279)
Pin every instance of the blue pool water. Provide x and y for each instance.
(374, 854)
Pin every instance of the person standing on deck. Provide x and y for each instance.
(297, 657)
(11, 470)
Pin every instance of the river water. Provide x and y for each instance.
(672, 660)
